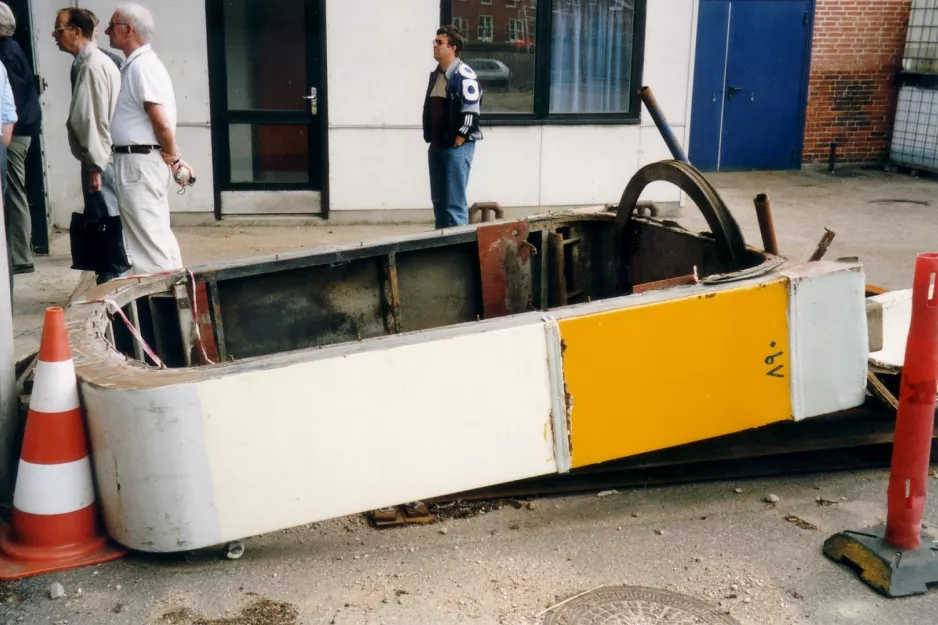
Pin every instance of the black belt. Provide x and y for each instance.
(134, 149)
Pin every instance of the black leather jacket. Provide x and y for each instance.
(463, 104)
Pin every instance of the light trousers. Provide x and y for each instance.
(143, 182)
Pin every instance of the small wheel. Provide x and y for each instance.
(234, 550)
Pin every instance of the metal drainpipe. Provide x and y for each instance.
(766, 224)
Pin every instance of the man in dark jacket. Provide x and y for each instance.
(22, 81)
(451, 112)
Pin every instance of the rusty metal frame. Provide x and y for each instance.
(559, 409)
(726, 232)
(390, 293)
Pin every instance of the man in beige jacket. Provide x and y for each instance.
(96, 83)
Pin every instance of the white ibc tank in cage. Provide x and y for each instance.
(921, 46)
(915, 132)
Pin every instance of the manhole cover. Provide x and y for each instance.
(634, 605)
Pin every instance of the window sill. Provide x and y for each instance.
(580, 120)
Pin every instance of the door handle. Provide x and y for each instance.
(313, 98)
(731, 91)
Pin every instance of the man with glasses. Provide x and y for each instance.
(451, 113)
(96, 83)
(146, 157)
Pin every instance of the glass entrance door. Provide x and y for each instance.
(268, 120)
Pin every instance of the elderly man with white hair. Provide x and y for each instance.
(143, 133)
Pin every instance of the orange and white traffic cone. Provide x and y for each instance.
(55, 523)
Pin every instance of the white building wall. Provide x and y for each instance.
(374, 127)
(374, 122)
(182, 46)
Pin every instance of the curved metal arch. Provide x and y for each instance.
(729, 238)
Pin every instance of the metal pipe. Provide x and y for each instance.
(766, 225)
(486, 209)
(822, 246)
(662, 123)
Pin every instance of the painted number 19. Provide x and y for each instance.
(776, 370)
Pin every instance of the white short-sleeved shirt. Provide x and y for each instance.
(143, 79)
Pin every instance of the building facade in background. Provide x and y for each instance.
(856, 57)
(313, 107)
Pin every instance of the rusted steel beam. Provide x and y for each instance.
(766, 224)
(505, 265)
(219, 326)
(879, 390)
(665, 284)
(135, 320)
(822, 246)
(544, 303)
(203, 314)
(392, 295)
(559, 266)
(187, 321)
(726, 232)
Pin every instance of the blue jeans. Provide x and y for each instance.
(449, 175)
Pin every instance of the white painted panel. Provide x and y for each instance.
(506, 166)
(897, 318)
(828, 335)
(380, 169)
(587, 164)
(380, 58)
(668, 34)
(181, 44)
(151, 467)
(302, 443)
(196, 145)
(63, 182)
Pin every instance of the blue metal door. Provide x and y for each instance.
(749, 84)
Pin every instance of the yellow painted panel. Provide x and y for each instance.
(673, 372)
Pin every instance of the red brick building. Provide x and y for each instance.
(856, 56)
(495, 21)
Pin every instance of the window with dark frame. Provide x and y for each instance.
(460, 23)
(485, 28)
(554, 61)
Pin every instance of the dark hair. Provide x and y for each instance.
(82, 19)
(454, 36)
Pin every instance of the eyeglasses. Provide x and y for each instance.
(61, 29)
(440, 42)
(111, 25)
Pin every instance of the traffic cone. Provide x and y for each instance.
(894, 560)
(55, 523)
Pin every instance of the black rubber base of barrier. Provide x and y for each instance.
(892, 571)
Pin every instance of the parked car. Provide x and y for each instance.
(491, 71)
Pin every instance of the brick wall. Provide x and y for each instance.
(856, 53)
